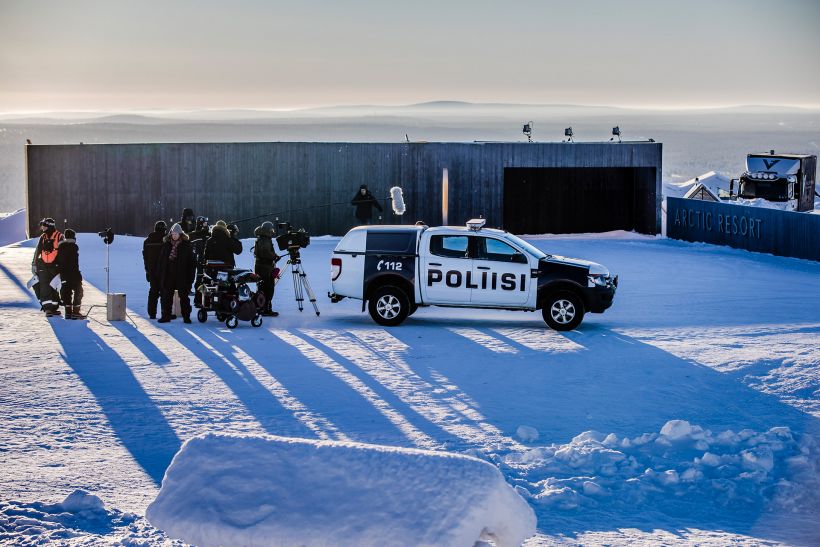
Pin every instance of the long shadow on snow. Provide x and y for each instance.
(324, 392)
(133, 416)
(257, 399)
(611, 383)
(141, 342)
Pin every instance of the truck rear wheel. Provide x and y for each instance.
(389, 306)
(563, 311)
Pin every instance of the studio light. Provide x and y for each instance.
(528, 131)
(568, 134)
(616, 132)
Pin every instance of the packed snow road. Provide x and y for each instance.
(688, 412)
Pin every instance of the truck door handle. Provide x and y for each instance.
(483, 267)
(433, 264)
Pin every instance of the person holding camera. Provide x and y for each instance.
(175, 271)
(265, 264)
(68, 266)
(223, 244)
(151, 249)
(44, 266)
(364, 202)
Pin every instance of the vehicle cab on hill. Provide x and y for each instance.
(396, 269)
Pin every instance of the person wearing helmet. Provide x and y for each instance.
(265, 264)
(44, 266)
(151, 248)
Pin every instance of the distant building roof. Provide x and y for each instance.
(701, 192)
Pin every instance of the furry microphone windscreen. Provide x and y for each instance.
(397, 196)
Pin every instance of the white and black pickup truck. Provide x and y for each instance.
(396, 269)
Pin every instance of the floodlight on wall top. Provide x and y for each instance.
(616, 132)
(528, 131)
(568, 134)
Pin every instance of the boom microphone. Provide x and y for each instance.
(397, 197)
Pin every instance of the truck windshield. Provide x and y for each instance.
(769, 190)
(531, 249)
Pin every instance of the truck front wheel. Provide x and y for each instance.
(389, 306)
(563, 311)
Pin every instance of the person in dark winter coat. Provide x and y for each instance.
(151, 248)
(68, 266)
(265, 264)
(188, 220)
(364, 202)
(221, 245)
(44, 266)
(176, 270)
(198, 238)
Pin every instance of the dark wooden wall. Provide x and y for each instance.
(130, 186)
(783, 233)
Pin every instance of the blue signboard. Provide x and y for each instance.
(782, 233)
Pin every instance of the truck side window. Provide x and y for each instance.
(449, 246)
(494, 249)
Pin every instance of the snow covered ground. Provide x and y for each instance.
(686, 413)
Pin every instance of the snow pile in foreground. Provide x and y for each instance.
(235, 490)
(12, 227)
(776, 469)
(80, 517)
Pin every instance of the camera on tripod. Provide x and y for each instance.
(292, 240)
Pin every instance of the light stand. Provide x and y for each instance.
(528, 131)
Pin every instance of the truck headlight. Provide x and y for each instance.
(599, 280)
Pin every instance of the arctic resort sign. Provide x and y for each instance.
(729, 224)
(782, 233)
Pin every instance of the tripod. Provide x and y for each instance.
(301, 285)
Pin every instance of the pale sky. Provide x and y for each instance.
(191, 54)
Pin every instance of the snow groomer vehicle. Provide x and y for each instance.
(394, 270)
(788, 178)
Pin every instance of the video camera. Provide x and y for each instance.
(291, 239)
(107, 236)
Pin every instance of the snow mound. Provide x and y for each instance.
(527, 433)
(775, 469)
(80, 519)
(713, 181)
(235, 490)
(12, 227)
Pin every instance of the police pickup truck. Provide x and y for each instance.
(396, 269)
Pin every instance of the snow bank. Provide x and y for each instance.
(81, 518)
(713, 181)
(12, 227)
(776, 469)
(233, 490)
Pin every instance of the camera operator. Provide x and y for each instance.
(151, 248)
(222, 245)
(265, 264)
(68, 265)
(175, 270)
(44, 266)
(364, 202)
(187, 221)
